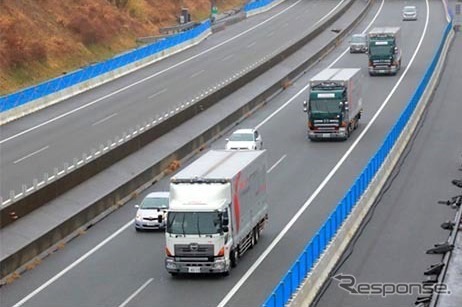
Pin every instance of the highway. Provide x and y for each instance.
(112, 265)
(38, 143)
(406, 221)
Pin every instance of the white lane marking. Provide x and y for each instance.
(72, 265)
(197, 73)
(104, 119)
(157, 93)
(279, 237)
(330, 65)
(251, 44)
(120, 230)
(149, 77)
(276, 164)
(136, 292)
(31, 154)
(227, 57)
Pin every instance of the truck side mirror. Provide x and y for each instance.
(395, 50)
(225, 219)
(305, 106)
(225, 228)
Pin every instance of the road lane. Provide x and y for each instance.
(67, 126)
(140, 257)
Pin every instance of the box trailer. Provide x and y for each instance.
(217, 211)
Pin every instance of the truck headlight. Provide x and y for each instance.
(219, 263)
(170, 264)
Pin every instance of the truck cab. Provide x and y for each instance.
(334, 103)
(384, 52)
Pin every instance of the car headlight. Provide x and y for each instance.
(138, 217)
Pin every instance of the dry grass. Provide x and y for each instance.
(41, 39)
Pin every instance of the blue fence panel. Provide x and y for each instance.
(21, 97)
(321, 239)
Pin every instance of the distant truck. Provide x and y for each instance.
(384, 52)
(217, 211)
(334, 103)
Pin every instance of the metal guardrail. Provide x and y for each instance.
(318, 243)
(29, 94)
(179, 28)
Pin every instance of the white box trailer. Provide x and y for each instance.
(334, 103)
(217, 210)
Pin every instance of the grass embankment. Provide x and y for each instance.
(42, 39)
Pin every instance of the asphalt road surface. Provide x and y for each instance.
(38, 143)
(127, 268)
(406, 221)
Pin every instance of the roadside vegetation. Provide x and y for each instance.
(42, 39)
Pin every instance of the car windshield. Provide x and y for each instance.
(409, 9)
(240, 137)
(154, 203)
(358, 39)
(381, 50)
(194, 223)
(325, 106)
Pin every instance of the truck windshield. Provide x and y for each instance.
(194, 223)
(324, 107)
(380, 50)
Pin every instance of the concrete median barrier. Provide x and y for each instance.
(106, 203)
(43, 195)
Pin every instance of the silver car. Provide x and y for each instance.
(358, 43)
(410, 13)
(152, 211)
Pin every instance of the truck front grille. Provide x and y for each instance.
(193, 250)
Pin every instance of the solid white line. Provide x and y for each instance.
(294, 219)
(197, 73)
(149, 77)
(251, 44)
(157, 93)
(306, 87)
(31, 154)
(104, 119)
(276, 164)
(120, 230)
(72, 265)
(227, 57)
(136, 292)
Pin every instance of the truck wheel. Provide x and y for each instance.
(257, 234)
(234, 257)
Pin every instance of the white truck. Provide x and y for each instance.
(334, 103)
(217, 211)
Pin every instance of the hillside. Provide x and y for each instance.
(41, 39)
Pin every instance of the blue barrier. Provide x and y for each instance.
(311, 253)
(256, 5)
(26, 95)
